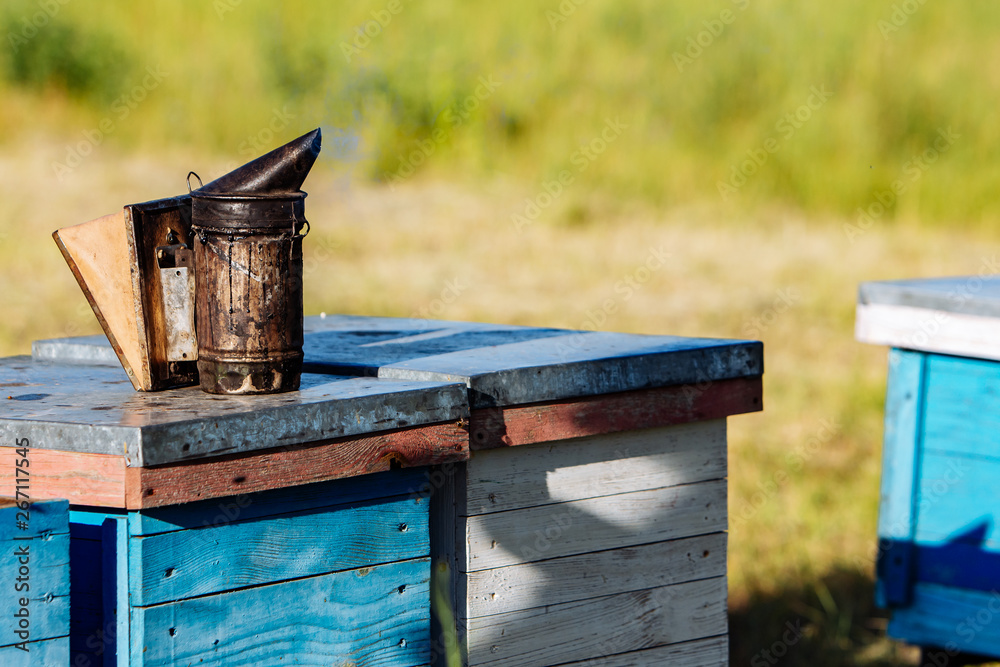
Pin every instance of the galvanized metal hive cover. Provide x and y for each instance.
(93, 408)
(506, 365)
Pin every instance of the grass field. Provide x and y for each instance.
(446, 134)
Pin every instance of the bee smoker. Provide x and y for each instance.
(248, 230)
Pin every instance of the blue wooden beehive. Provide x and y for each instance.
(938, 562)
(286, 529)
(246, 581)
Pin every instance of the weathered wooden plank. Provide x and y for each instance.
(611, 413)
(183, 564)
(220, 511)
(290, 466)
(149, 224)
(949, 618)
(928, 330)
(48, 586)
(576, 631)
(79, 477)
(712, 652)
(447, 584)
(42, 518)
(504, 479)
(46, 652)
(34, 570)
(582, 526)
(377, 616)
(98, 254)
(900, 457)
(592, 575)
(962, 414)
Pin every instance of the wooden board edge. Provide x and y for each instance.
(447, 583)
(570, 528)
(84, 478)
(133, 378)
(282, 467)
(707, 652)
(140, 321)
(491, 428)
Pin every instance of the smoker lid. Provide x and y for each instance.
(282, 171)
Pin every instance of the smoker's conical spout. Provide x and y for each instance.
(283, 170)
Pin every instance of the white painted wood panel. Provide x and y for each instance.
(546, 473)
(594, 524)
(713, 652)
(928, 330)
(577, 631)
(591, 575)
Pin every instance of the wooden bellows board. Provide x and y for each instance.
(114, 260)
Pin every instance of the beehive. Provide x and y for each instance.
(938, 546)
(569, 489)
(589, 524)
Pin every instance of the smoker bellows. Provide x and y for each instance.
(205, 287)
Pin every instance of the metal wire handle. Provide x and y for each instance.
(188, 179)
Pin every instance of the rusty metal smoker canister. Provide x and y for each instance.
(247, 229)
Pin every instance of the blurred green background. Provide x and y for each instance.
(536, 152)
(231, 66)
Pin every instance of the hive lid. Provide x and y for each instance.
(505, 365)
(969, 295)
(509, 365)
(957, 315)
(92, 409)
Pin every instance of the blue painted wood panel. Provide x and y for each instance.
(903, 419)
(46, 652)
(183, 564)
(41, 548)
(91, 636)
(115, 611)
(222, 511)
(939, 564)
(963, 406)
(222, 578)
(958, 496)
(377, 617)
(86, 606)
(44, 516)
(950, 619)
